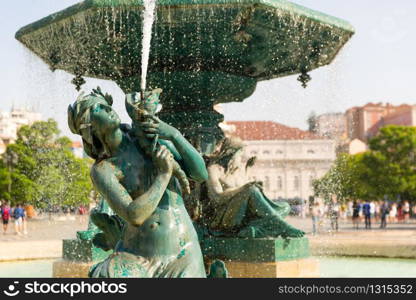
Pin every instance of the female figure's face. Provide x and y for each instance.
(104, 119)
(237, 159)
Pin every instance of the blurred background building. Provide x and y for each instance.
(10, 122)
(365, 121)
(288, 159)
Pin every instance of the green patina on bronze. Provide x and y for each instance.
(255, 250)
(83, 251)
(202, 52)
(151, 233)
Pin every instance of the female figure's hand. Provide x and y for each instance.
(154, 126)
(163, 160)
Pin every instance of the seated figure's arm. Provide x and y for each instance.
(216, 191)
(135, 211)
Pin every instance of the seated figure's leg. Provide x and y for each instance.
(260, 205)
(270, 218)
(234, 212)
(262, 217)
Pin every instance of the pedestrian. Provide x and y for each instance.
(377, 211)
(406, 211)
(367, 215)
(18, 214)
(316, 214)
(393, 213)
(384, 212)
(356, 208)
(349, 209)
(400, 215)
(24, 220)
(334, 211)
(5, 215)
(372, 210)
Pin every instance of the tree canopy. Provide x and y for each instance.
(387, 169)
(41, 169)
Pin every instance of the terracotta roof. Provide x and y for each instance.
(268, 130)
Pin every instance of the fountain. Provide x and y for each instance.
(202, 52)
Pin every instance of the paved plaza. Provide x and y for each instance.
(45, 235)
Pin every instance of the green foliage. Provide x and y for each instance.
(44, 171)
(388, 168)
(4, 182)
(393, 162)
(340, 180)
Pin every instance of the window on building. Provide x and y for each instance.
(296, 183)
(253, 152)
(267, 183)
(279, 183)
(279, 151)
(311, 179)
(266, 152)
(310, 151)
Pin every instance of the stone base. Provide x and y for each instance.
(78, 257)
(255, 250)
(70, 269)
(262, 258)
(244, 258)
(299, 268)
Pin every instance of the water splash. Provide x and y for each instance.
(148, 19)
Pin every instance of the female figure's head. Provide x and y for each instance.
(93, 118)
(228, 154)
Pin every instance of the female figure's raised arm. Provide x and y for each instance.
(134, 211)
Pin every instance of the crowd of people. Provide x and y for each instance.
(367, 212)
(16, 214)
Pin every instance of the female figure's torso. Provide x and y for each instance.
(168, 231)
(231, 178)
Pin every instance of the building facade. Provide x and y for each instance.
(288, 159)
(364, 122)
(10, 122)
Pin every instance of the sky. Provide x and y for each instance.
(377, 65)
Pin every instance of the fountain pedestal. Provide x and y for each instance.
(188, 100)
(78, 256)
(262, 258)
(202, 53)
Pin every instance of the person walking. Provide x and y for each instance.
(18, 215)
(5, 216)
(406, 211)
(367, 215)
(316, 214)
(384, 212)
(24, 220)
(334, 212)
(356, 207)
(377, 211)
(393, 213)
